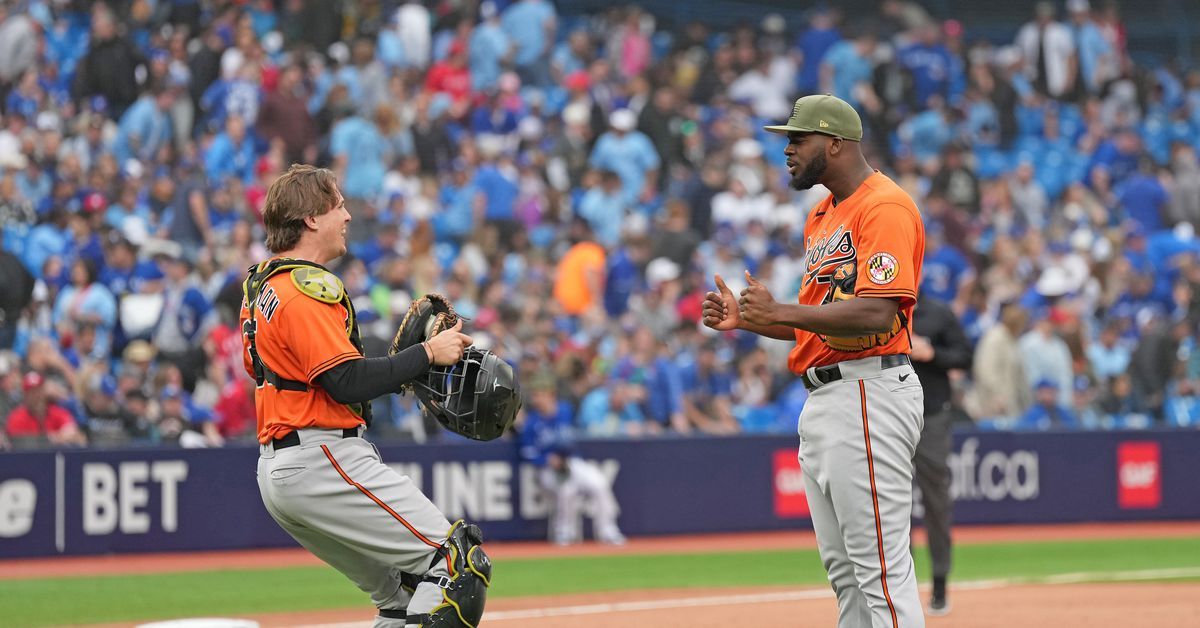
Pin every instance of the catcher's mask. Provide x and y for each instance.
(477, 397)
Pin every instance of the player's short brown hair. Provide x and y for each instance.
(300, 192)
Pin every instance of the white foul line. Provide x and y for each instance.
(650, 605)
(804, 594)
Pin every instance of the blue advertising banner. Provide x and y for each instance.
(92, 501)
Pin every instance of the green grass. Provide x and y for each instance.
(75, 600)
(100, 599)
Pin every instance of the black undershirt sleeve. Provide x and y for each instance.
(355, 381)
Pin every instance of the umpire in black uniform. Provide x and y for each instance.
(939, 345)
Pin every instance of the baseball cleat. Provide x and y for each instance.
(938, 606)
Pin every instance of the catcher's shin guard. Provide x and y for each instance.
(463, 596)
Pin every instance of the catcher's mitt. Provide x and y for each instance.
(426, 318)
(841, 289)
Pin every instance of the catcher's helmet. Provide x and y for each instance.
(478, 396)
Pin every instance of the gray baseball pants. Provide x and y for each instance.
(857, 440)
(336, 498)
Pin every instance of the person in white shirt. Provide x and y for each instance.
(1048, 50)
(413, 25)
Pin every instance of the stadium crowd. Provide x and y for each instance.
(572, 183)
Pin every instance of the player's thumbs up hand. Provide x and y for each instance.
(757, 305)
(720, 309)
(725, 291)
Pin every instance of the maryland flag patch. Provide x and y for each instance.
(882, 268)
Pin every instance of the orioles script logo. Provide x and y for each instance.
(827, 253)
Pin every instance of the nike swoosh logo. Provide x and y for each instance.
(904, 376)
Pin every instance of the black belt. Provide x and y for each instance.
(292, 438)
(831, 373)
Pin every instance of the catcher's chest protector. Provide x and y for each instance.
(314, 281)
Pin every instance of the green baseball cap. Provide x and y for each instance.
(822, 113)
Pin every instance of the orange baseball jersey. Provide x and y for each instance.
(877, 229)
(298, 338)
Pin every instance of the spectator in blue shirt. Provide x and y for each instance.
(66, 43)
(1138, 300)
(390, 49)
(26, 97)
(707, 385)
(238, 95)
(495, 117)
(496, 183)
(547, 432)
(928, 132)
(1118, 155)
(222, 211)
(489, 49)
(847, 64)
(459, 199)
(929, 62)
(1097, 60)
(120, 260)
(813, 43)
(1046, 356)
(34, 183)
(380, 249)
(262, 17)
(604, 206)
(84, 242)
(365, 78)
(146, 126)
(360, 155)
(615, 409)
(945, 269)
(1047, 413)
(1136, 250)
(571, 56)
(186, 316)
(1108, 356)
(231, 153)
(86, 301)
(46, 240)
(647, 367)
(1143, 197)
(625, 277)
(630, 154)
(128, 210)
(532, 25)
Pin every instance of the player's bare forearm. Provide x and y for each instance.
(778, 332)
(852, 317)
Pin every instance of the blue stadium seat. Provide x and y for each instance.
(1183, 411)
(759, 420)
(1029, 120)
(660, 44)
(991, 163)
(1132, 422)
(1070, 122)
(1030, 144)
(998, 424)
(1156, 137)
(1051, 172)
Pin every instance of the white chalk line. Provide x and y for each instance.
(804, 594)
(654, 605)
